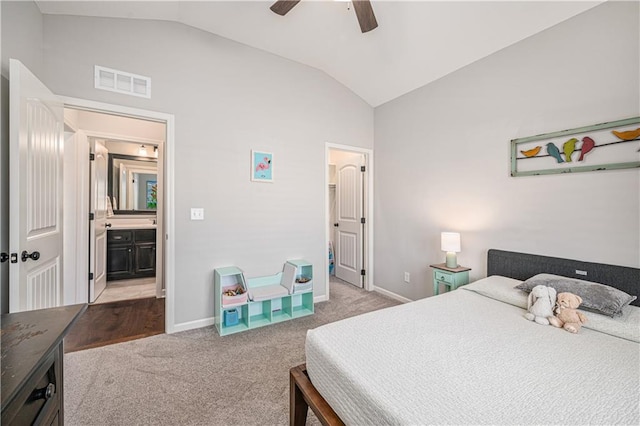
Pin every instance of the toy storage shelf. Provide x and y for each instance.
(297, 278)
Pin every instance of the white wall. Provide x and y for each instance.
(118, 126)
(443, 155)
(227, 99)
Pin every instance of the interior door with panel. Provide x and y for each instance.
(98, 226)
(36, 126)
(349, 228)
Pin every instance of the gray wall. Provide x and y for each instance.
(443, 155)
(227, 98)
(21, 37)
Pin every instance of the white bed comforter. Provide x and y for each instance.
(465, 358)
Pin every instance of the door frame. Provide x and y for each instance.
(168, 213)
(367, 193)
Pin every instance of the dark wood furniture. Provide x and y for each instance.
(32, 365)
(131, 253)
(521, 266)
(302, 395)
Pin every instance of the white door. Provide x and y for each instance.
(35, 222)
(98, 226)
(349, 230)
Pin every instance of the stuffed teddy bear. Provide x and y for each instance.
(540, 304)
(567, 316)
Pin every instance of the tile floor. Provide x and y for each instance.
(128, 289)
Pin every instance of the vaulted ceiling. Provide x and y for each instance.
(415, 43)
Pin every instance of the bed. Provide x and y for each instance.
(469, 357)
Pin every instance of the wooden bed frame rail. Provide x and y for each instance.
(303, 395)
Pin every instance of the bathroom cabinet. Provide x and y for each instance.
(131, 253)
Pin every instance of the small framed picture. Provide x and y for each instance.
(261, 166)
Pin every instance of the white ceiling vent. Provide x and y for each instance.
(122, 82)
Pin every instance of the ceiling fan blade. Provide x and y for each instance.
(364, 12)
(282, 7)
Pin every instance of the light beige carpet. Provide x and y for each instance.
(197, 377)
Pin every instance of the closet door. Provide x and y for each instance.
(349, 208)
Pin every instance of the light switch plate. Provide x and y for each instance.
(197, 214)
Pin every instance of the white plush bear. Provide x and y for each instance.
(540, 304)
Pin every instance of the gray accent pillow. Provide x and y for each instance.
(596, 297)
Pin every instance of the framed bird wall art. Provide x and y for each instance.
(606, 146)
(261, 166)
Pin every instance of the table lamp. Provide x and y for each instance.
(450, 242)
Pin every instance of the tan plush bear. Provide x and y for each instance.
(567, 316)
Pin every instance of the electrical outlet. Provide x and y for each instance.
(407, 277)
(197, 214)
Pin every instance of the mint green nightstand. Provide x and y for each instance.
(449, 277)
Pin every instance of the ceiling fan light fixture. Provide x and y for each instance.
(366, 17)
(363, 9)
(282, 7)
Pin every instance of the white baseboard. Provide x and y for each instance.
(318, 299)
(392, 295)
(190, 325)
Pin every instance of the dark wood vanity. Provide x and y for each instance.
(32, 365)
(131, 253)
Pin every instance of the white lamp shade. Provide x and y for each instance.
(450, 242)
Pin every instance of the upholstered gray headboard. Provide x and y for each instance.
(522, 266)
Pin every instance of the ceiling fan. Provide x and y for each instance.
(364, 12)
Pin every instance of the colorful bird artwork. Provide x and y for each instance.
(568, 148)
(531, 152)
(587, 145)
(628, 135)
(264, 165)
(553, 151)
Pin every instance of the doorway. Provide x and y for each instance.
(349, 215)
(122, 179)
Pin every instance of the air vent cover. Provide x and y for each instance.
(122, 82)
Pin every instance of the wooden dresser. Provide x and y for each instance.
(32, 365)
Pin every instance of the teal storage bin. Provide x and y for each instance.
(231, 317)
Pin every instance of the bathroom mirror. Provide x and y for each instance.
(133, 184)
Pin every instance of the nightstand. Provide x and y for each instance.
(450, 277)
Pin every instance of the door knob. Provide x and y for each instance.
(107, 225)
(336, 224)
(33, 256)
(4, 257)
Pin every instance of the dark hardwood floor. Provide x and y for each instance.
(116, 322)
